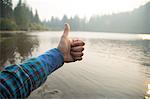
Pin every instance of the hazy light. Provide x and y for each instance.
(147, 96)
(83, 8)
(148, 92)
(145, 37)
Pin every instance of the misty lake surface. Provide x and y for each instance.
(114, 66)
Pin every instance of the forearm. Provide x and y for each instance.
(20, 80)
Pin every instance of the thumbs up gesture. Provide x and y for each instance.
(72, 50)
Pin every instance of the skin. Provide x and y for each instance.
(72, 50)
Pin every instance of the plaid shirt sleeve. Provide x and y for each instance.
(18, 81)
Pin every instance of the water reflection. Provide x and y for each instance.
(147, 96)
(136, 50)
(144, 36)
(14, 48)
(131, 51)
(112, 68)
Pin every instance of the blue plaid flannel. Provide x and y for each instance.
(18, 81)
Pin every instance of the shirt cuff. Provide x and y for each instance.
(58, 56)
(55, 60)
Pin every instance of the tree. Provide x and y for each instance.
(136, 21)
(6, 10)
(64, 20)
(6, 15)
(36, 17)
(22, 15)
(76, 23)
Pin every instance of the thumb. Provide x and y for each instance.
(66, 30)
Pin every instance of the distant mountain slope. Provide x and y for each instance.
(137, 21)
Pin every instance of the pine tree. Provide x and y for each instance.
(21, 13)
(36, 17)
(6, 9)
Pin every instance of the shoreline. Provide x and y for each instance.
(13, 31)
(19, 31)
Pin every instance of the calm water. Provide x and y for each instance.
(115, 66)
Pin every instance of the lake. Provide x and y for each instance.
(114, 66)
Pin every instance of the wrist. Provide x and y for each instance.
(60, 50)
(65, 57)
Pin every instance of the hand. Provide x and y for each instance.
(72, 50)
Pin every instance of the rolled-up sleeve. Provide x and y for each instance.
(18, 81)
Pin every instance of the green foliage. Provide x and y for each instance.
(6, 9)
(35, 26)
(7, 24)
(23, 17)
(36, 18)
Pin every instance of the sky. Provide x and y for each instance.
(82, 8)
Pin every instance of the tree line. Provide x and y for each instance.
(136, 21)
(19, 18)
(22, 18)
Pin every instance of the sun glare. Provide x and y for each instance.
(145, 37)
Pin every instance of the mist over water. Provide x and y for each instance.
(114, 66)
